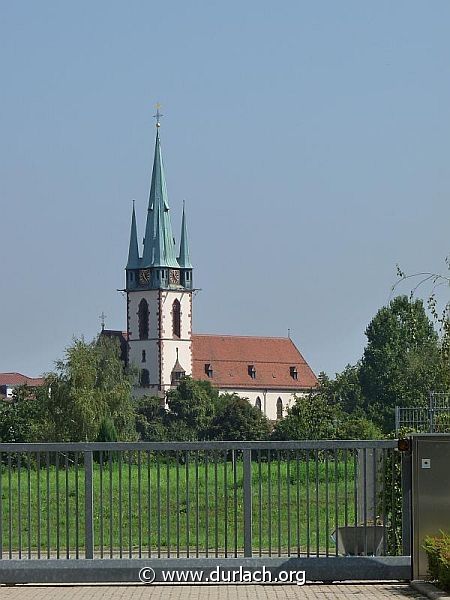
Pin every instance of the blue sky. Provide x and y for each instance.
(311, 142)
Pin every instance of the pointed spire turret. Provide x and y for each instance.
(159, 201)
(133, 252)
(184, 259)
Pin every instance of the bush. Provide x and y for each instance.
(438, 552)
(358, 428)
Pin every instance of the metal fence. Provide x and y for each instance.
(433, 418)
(116, 502)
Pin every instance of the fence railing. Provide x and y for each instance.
(202, 499)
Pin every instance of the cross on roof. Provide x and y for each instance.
(102, 318)
(158, 115)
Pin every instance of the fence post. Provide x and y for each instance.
(406, 467)
(248, 548)
(88, 505)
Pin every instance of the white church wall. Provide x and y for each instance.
(169, 342)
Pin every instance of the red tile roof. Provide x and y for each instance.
(19, 379)
(231, 355)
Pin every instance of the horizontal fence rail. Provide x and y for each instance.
(191, 500)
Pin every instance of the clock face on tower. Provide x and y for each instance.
(144, 276)
(174, 276)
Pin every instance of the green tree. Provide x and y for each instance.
(352, 427)
(236, 419)
(401, 362)
(191, 409)
(309, 418)
(22, 419)
(151, 419)
(88, 386)
(344, 390)
(107, 431)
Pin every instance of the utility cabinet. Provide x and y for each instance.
(430, 494)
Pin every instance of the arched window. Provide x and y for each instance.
(176, 318)
(145, 378)
(258, 403)
(279, 408)
(143, 319)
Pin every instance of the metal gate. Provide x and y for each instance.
(97, 512)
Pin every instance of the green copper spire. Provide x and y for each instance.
(184, 260)
(158, 242)
(158, 234)
(133, 252)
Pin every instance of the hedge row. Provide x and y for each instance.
(438, 551)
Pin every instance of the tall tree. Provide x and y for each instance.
(311, 417)
(401, 362)
(87, 387)
(191, 408)
(236, 419)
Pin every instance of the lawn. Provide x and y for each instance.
(152, 504)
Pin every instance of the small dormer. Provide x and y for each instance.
(251, 371)
(177, 372)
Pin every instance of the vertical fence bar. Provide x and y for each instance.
(28, 505)
(168, 503)
(177, 472)
(66, 467)
(57, 502)
(100, 460)
(235, 503)
(308, 526)
(216, 507)
(279, 501)
(297, 468)
(336, 458)
(38, 502)
(139, 494)
(19, 503)
(406, 502)
(365, 498)
(356, 475)
(225, 495)
(288, 493)
(269, 500)
(260, 504)
(130, 514)
(247, 459)
(119, 508)
(327, 506)
(345, 488)
(197, 523)
(375, 499)
(188, 521)
(149, 506)
(110, 467)
(10, 512)
(393, 503)
(206, 505)
(1, 507)
(88, 505)
(77, 511)
(316, 478)
(158, 502)
(383, 499)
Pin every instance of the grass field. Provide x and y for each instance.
(152, 504)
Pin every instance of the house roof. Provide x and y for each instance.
(19, 379)
(230, 357)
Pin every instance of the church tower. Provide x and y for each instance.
(159, 294)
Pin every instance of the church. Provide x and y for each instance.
(159, 342)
